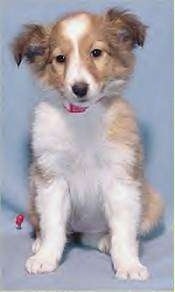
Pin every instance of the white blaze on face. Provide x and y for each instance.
(74, 29)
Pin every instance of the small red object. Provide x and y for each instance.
(72, 108)
(19, 220)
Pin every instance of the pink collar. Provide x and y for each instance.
(72, 108)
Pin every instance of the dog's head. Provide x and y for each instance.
(84, 56)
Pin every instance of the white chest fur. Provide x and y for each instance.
(74, 146)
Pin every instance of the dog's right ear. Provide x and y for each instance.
(31, 43)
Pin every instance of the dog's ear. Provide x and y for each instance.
(31, 43)
(125, 28)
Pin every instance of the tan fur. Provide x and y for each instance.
(130, 31)
(36, 174)
(153, 208)
(33, 215)
(122, 128)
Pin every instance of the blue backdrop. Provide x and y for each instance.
(150, 91)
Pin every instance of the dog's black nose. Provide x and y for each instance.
(80, 89)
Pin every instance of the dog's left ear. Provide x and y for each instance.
(125, 28)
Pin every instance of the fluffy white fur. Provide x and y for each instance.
(87, 188)
(74, 29)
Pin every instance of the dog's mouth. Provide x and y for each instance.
(73, 108)
(80, 106)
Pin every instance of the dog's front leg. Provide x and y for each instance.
(52, 203)
(123, 211)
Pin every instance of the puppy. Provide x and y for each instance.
(87, 173)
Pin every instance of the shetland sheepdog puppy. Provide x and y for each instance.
(87, 171)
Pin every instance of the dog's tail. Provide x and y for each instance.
(153, 209)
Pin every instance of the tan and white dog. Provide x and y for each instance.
(87, 174)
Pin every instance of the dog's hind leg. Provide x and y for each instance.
(100, 241)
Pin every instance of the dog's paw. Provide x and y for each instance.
(133, 272)
(40, 263)
(36, 245)
(104, 244)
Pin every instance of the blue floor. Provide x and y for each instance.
(81, 267)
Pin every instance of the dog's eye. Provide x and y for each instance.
(96, 53)
(61, 59)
